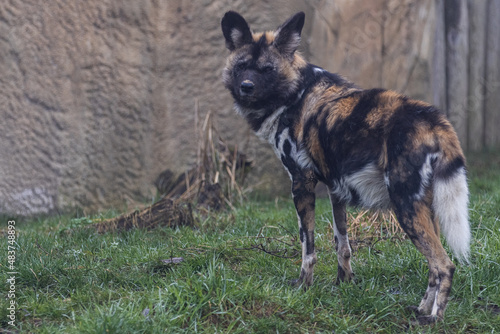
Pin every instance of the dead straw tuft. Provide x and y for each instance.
(368, 227)
(215, 181)
(219, 173)
(164, 213)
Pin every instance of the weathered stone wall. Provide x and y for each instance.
(98, 96)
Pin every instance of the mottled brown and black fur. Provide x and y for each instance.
(373, 148)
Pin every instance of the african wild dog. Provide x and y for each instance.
(372, 148)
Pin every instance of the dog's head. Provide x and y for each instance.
(262, 70)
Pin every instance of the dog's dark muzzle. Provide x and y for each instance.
(247, 88)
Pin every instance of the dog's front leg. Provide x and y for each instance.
(303, 184)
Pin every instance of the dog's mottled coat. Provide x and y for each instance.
(372, 148)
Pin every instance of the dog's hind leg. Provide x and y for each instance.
(416, 218)
(342, 247)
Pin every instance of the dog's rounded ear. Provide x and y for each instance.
(235, 30)
(287, 38)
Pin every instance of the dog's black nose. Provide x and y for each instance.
(246, 87)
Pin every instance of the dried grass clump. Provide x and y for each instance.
(216, 181)
(368, 227)
(217, 163)
(164, 213)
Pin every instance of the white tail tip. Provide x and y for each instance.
(451, 199)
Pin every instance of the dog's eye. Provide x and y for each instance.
(268, 69)
(241, 66)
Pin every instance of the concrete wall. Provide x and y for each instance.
(98, 96)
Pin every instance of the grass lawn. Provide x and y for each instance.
(125, 282)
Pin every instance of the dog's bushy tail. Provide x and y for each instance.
(451, 196)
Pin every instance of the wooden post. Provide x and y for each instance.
(438, 75)
(456, 20)
(492, 88)
(477, 45)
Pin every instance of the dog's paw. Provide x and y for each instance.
(296, 282)
(414, 309)
(425, 320)
(342, 277)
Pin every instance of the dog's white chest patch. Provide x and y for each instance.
(290, 152)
